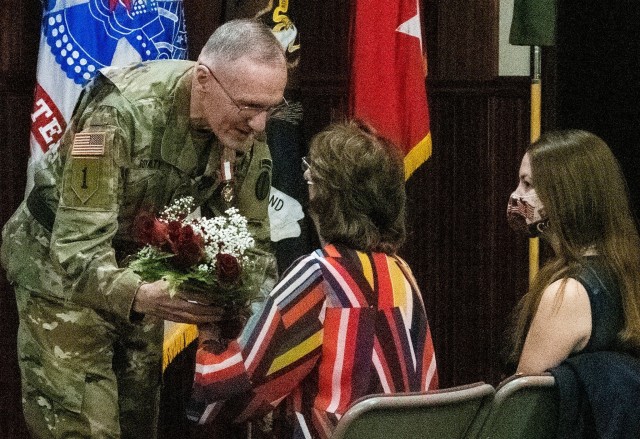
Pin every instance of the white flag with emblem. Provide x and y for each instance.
(79, 37)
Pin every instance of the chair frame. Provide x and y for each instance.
(505, 391)
(435, 398)
(522, 381)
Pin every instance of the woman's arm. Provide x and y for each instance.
(561, 325)
(278, 347)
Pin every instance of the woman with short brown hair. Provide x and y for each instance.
(345, 321)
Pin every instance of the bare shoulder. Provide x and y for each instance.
(565, 295)
(560, 326)
(566, 311)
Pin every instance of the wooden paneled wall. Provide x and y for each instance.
(18, 53)
(462, 39)
(470, 266)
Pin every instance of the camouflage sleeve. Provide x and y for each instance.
(87, 215)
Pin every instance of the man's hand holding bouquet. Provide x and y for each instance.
(206, 261)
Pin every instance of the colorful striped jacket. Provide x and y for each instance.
(339, 325)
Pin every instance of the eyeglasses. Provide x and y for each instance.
(250, 111)
(306, 167)
(305, 164)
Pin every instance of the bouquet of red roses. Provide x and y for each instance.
(211, 259)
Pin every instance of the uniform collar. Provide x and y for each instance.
(177, 147)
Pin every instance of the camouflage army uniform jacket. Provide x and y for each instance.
(136, 150)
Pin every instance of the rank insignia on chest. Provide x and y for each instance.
(88, 144)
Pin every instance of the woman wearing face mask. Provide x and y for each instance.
(586, 298)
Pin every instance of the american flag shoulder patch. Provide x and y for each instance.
(88, 144)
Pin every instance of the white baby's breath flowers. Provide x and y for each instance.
(178, 210)
(227, 233)
(224, 234)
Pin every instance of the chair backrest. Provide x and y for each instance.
(442, 414)
(524, 406)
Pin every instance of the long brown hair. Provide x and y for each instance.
(580, 184)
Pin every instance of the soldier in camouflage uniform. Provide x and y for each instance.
(90, 335)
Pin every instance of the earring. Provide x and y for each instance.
(542, 226)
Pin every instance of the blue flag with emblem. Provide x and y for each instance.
(79, 37)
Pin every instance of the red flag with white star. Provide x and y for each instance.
(388, 73)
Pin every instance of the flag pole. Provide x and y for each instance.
(536, 100)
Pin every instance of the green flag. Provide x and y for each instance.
(534, 23)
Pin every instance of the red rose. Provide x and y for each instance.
(227, 268)
(149, 230)
(188, 247)
(174, 231)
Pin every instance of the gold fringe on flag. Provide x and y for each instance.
(177, 336)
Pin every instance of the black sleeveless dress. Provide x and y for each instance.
(607, 318)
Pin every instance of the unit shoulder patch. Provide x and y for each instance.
(263, 182)
(85, 177)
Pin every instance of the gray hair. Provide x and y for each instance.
(243, 37)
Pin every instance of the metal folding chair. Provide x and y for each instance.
(524, 407)
(443, 414)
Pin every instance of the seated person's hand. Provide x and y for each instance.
(209, 338)
(215, 336)
(208, 332)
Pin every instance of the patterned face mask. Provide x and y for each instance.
(525, 214)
